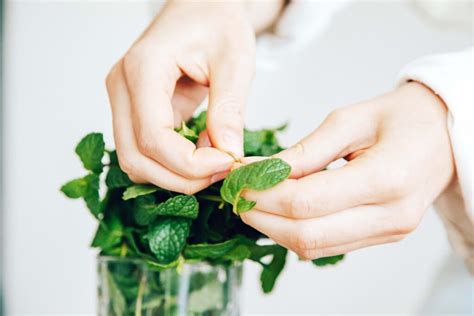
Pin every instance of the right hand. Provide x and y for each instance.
(190, 48)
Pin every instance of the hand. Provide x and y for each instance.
(399, 160)
(190, 48)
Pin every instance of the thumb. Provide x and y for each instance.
(342, 133)
(229, 82)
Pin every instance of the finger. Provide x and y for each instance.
(349, 226)
(151, 85)
(230, 81)
(346, 248)
(188, 95)
(203, 140)
(139, 167)
(324, 192)
(341, 133)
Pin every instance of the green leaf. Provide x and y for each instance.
(258, 176)
(272, 270)
(320, 262)
(91, 150)
(146, 209)
(75, 189)
(187, 132)
(181, 205)
(210, 251)
(109, 234)
(198, 123)
(116, 178)
(167, 238)
(137, 190)
(91, 195)
(239, 253)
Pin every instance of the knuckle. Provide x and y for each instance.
(298, 205)
(230, 106)
(133, 59)
(303, 240)
(127, 164)
(340, 116)
(146, 144)
(306, 254)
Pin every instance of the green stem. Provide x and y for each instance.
(214, 198)
(141, 291)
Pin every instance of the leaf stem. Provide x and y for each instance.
(141, 290)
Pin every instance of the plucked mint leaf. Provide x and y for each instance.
(167, 238)
(146, 209)
(258, 176)
(109, 234)
(75, 189)
(137, 190)
(116, 178)
(187, 132)
(210, 251)
(272, 270)
(91, 150)
(320, 262)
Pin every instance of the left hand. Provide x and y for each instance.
(399, 160)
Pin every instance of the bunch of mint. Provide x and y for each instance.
(166, 229)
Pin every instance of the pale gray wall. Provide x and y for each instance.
(57, 56)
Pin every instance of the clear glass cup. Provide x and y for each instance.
(130, 287)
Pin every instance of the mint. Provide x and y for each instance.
(146, 208)
(165, 229)
(91, 150)
(320, 262)
(137, 190)
(167, 237)
(258, 176)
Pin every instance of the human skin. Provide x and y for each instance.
(397, 145)
(399, 161)
(190, 50)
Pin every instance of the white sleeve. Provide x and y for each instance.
(451, 77)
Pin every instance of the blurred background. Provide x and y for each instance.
(56, 55)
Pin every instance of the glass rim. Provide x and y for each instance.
(109, 258)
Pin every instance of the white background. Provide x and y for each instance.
(57, 55)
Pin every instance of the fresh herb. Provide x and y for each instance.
(166, 229)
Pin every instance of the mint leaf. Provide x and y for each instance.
(87, 188)
(109, 234)
(137, 190)
(116, 178)
(198, 123)
(181, 205)
(91, 195)
(320, 262)
(187, 132)
(75, 189)
(239, 253)
(146, 209)
(258, 176)
(167, 238)
(272, 270)
(210, 251)
(91, 150)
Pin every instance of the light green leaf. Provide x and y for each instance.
(320, 262)
(210, 251)
(167, 238)
(187, 132)
(75, 189)
(91, 150)
(137, 190)
(258, 176)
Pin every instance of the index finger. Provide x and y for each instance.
(151, 82)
